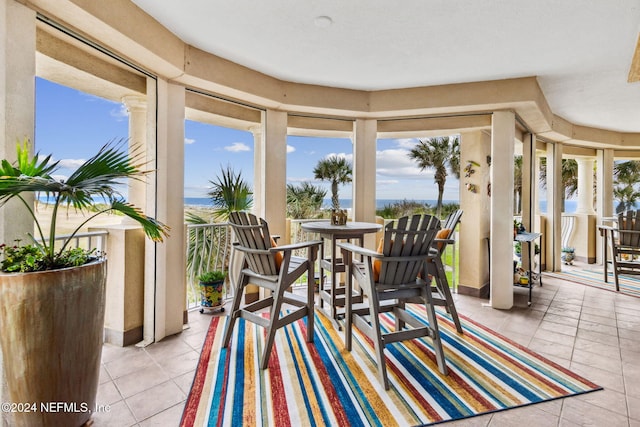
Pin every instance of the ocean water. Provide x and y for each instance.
(344, 203)
(570, 205)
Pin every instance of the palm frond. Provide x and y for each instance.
(153, 228)
(32, 166)
(29, 174)
(195, 219)
(230, 192)
(97, 177)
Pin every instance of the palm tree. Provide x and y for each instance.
(438, 153)
(304, 201)
(569, 177)
(208, 248)
(98, 177)
(336, 170)
(517, 185)
(229, 193)
(626, 175)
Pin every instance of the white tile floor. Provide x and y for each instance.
(594, 333)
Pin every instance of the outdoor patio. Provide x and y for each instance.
(593, 332)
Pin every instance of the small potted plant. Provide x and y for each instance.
(211, 290)
(568, 255)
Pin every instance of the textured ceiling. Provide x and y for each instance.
(580, 50)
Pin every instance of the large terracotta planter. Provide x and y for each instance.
(52, 333)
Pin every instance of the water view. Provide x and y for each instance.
(570, 205)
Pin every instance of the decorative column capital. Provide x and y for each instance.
(256, 130)
(585, 160)
(135, 103)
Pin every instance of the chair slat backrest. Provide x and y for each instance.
(253, 233)
(408, 237)
(451, 222)
(629, 221)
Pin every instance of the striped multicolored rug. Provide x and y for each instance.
(321, 384)
(629, 285)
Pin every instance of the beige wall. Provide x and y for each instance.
(584, 238)
(124, 300)
(475, 221)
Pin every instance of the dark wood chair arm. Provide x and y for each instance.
(294, 246)
(360, 250)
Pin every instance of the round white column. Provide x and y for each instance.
(137, 107)
(585, 186)
(258, 170)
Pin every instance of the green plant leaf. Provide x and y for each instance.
(97, 177)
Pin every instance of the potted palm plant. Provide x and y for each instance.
(52, 296)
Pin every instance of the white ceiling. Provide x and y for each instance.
(580, 50)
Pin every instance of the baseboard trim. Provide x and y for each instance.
(123, 338)
(482, 292)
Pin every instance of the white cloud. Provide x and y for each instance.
(382, 182)
(298, 180)
(408, 143)
(348, 157)
(237, 147)
(196, 190)
(395, 162)
(189, 141)
(71, 163)
(120, 112)
(290, 149)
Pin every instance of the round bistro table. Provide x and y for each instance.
(333, 295)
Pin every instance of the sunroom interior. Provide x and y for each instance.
(127, 53)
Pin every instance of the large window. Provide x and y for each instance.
(401, 181)
(72, 126)
(305, 153)
(208, 151)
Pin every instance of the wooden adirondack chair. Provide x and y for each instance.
(435, 267)
(389, 280)
(274, 268)
(626, 245)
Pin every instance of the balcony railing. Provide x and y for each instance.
(208, 248)
(88, 240)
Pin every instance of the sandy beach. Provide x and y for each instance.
(69, 218)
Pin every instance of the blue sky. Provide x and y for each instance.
(72, 125)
